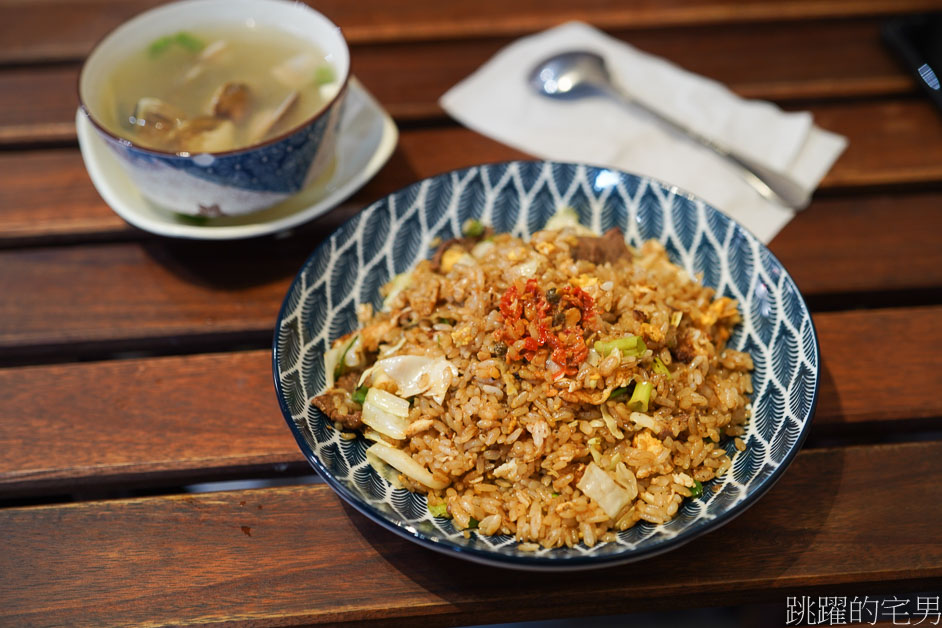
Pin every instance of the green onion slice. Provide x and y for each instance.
(660, 367)
(642, 395)
(697, 489)
(629, 345)
(359, 395)
(473, 228)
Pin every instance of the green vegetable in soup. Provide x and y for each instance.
(324, 75)
(183, 39)
(158, 46)
(214, 89)
(193, 220)
(188, 41)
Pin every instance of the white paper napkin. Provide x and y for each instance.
(497, 101)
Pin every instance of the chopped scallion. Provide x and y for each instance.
(473, 228)
(697, 489)
(642, 395)
(622, 391)
(359, 395)
(472, 523)
(324, 75)
(660, 367)
(629, 345)
(341, 367)
(188, 41)
(438, 510)
(183, 39)
(159, 45)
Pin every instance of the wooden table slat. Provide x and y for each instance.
(850, 517)
(47, 194)
(813, 60)
(196, 290)
(181, 419)
(27, 34)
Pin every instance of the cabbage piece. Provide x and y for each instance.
(482, 248)
(382, 412)
(568, 217)
(353, 355)
(405, 464)
(643, 420)
(524, 269)
(387, 401)
(331, 361)
(610, 423)
(399, 283)
(416, 375)
(602, 489)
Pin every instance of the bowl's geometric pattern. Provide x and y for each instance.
(393, 234)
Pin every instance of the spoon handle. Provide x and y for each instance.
(770, 186)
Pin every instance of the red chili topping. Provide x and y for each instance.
(532, 321)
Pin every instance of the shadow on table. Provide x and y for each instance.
(729, 566)
(241, 264)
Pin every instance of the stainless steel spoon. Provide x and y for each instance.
(578, 74)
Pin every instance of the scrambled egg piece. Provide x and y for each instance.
(646, 441)
(583, 281)
(652, 332)
(462, 335)
(723, 307)
(517, 254)
(451, 257)
(546, 248)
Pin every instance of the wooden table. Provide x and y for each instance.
(133, 366)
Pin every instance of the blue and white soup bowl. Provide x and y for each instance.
(235, 182)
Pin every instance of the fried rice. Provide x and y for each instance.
(558, 390)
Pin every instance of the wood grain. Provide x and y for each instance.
(810, 60)
(187, 418)
(853, 391)
(28, 35)
(46, 194)
(161, 292)
(295, 555)
(127, 422)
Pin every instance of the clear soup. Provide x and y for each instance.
(216, 89)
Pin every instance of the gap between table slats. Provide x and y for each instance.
(850, 518)
(45, 195)
(189, 418)
(29, 36)
(818, 59)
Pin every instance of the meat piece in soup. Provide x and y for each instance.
(217, 89)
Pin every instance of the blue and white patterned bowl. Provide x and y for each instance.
(236, 182)
(393, 234)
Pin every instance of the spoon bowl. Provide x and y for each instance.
(575, 74)
(583, 74)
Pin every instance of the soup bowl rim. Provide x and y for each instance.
(325, 108)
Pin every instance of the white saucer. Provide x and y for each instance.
(366, 139)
